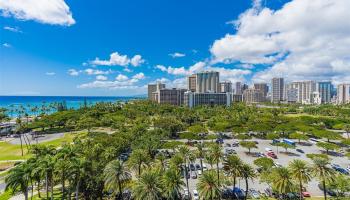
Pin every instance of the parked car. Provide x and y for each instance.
(205, 167)
(198, 166)
(239, 194)
(194, 175)
(235, 144)
(192, 167)
(329, 192)
(277, 164)
(313, 140)
(300, 150)
(271, 155)
(339, 169)
(254, 194)
(227, 193)
(228, 145)
(195, 195)
(306, 194)
(186, 194)
(199, 172)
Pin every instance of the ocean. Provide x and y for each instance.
(17, 105)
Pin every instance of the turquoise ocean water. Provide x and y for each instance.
(14, 104)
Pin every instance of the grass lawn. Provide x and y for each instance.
(13, 152)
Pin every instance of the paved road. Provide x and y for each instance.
(283, 159)
(43, 138)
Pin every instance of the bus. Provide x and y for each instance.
(290, 142)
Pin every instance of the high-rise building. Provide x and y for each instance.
(170, 96)
(277, 85)
(226, 86)
(193, 99)
(237, 98)
(192, 82)
(305, 91)
(291, 93)
(325, 91)
(238, 88)
(153, 88)
(262, 87)
(244, 87)
(253, 96)
(343, 93)
(207, 82)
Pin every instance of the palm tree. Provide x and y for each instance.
(62, 161)
(324, 173)
(215, 151)
(162, 161)
(184, 152)
(200, 154)
(247, 172)
(19, 177)
(115, 176)
(172, 183)
(148, 186)
(209, 159)
(138, 159)
(208, 185)
(301, 172)
(282, 180)
(77, 171)
(47, 164)
(233, 165)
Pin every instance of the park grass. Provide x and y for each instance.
(13, 152)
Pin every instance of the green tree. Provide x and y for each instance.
(264, 163)
(115, 177)
(19, 178)
(300, 172)
(247, 172)
(286, 146)
(282, 180)
(299, 136)
(172, 183)
(323, 172)
(328, 146)
(148, 186)
(346, 128)
(215, 151)
(200, 154)
(138, 159)
(208, 186)
(248, 145)
(184, 152)
(340, 184)
(233, 165)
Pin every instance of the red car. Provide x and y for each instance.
(271, 154)
(306, 194)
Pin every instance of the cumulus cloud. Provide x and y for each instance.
(50, 73)
(182, 71)
(55, 12)
(101, 78)
(117, 59)
(90, 71)
(305, 39)
(13, 29)
(120, 82)
(121, 77)
(177, 55)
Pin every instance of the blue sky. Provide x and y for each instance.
(115, 48)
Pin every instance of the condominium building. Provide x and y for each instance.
(153, 88)
(262, 87)
(192, 82)
(291, 93)
(253, 96)
(172, 96)
(226, 86)
(238, 88)
(193, 99)
(207, 81)
(237, 98)
(305, 91)
(277, 94)
(325, 91)
(343, 93)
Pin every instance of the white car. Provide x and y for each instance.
(268, 149)
(199, 172)
(313, 141)
(195, 195)
(205, 167)
(186, 194)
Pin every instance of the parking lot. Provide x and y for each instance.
(282, 158)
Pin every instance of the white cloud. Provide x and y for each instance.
(44, 11)
(7, 45)
(177, 55)
(73, 72)
(50, 73)
(12, 29)
(121, 77)
(305, 39)
(139, 76)
(182, 71)
(101, 78)
(90, 71)
(117, 59)
(137, 60)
